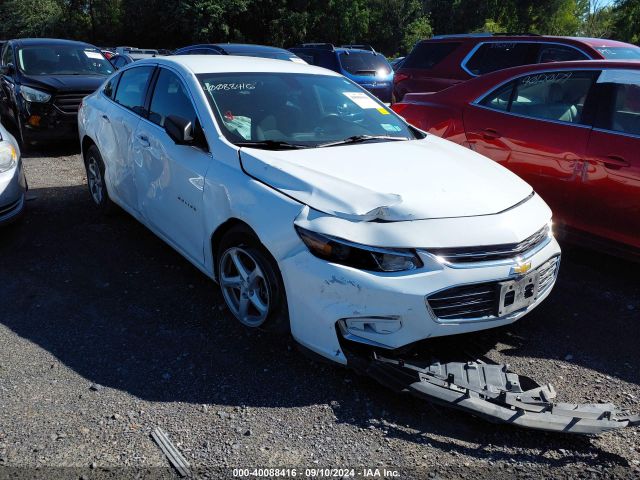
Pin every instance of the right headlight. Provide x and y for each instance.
(33, 95)
(364, 257)
(8, 156)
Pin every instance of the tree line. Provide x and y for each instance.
(391, 26)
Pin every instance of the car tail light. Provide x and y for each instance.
(399, 77)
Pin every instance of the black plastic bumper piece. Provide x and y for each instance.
(492, 392)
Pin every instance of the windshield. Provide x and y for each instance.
(63, 60)
(620, 53)
(365, 63)
(299, 109)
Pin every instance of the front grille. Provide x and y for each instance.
(467, 301)
(69, 102)
(480, 300)
(492, 252)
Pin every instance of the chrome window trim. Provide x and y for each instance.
(519, 115)
(615, 132)
(465, 60)
(476, 102)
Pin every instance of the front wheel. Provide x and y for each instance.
(250, 281)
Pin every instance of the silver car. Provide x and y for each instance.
(13, 184)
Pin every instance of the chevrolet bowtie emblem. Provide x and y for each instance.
(521, 268)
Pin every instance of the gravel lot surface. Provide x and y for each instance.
(106, 333)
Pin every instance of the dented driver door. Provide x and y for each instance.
(169, 176)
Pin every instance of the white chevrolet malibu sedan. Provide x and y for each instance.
(314, 206)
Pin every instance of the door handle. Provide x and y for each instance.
(106, 118)
(615, 162)
(490, 134)
(144, 140)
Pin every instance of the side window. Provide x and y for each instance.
(170, 98)
(427, 55)
(7, 56)
(110, 87)
(132, 88)
(500, 98)
(623, 112)
(493, 56)
(118, 62)
(327, 60)
(556, 96)
(559, 53)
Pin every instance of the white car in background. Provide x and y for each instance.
(13, 184)
(313, 205)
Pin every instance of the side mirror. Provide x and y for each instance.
(7, 69)
(179, 129)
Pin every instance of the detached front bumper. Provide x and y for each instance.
(46, 121)
(388, 310)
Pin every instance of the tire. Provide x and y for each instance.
(96, 181)
(259, 287)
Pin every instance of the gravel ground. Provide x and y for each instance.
(106, 333)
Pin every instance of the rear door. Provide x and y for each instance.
(170, 177)
(538, 127)
(609, 201)
(122, 119)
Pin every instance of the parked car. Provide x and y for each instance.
(396, 63)
(119, 60)
(314, 206)
(13, 184)
(241, 49)
(571, 130)
(43, 81)
(151, 52)
(108, 53)
(446, 60)
(367, 68)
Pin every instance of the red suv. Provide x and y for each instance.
(570, 129)
(445, 60)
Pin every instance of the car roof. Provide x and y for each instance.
(484, 37)
(355, 50)
(50, 41)
(488, 81)
(576, 64)
(235, 64)
(232, 48)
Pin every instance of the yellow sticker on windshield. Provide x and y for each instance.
(383, 111)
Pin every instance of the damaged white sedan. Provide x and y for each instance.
(314, 206)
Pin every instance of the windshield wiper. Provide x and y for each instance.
(361, 139)
(271, 145)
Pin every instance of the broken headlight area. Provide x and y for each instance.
(484, 389)
(363, 257)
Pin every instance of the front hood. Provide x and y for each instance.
(390, 181)
(65, 83)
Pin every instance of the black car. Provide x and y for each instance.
(242, 49)
(43, 81)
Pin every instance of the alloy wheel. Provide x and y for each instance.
(245, 286)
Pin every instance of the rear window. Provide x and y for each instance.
(620, 53)
(427, 55)
(365, 63)
(494, 56)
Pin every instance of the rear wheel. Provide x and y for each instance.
(96, 180)
(250, 281)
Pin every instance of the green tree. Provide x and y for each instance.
(29, 18)
(626, 20)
